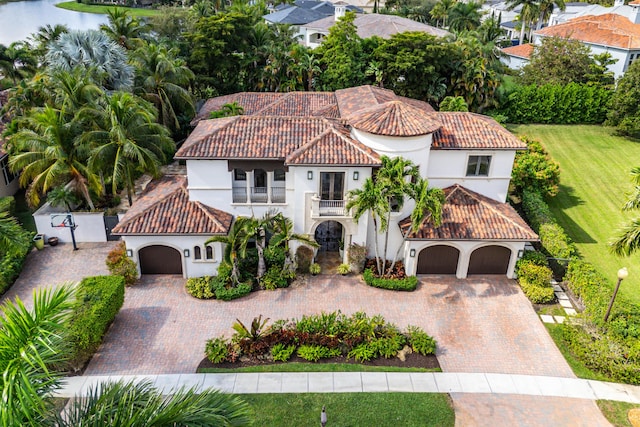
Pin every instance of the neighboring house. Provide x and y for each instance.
(368, 25)
(300, 153)
(516, 57)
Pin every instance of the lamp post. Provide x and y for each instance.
(622, 274)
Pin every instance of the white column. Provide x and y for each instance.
(249, 185)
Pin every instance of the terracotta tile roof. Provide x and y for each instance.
(334, 147)
(470, 130)
(394, 118)
(634, 3)
(424, 106)
(360, 97)
(519, 51)
(608, 30)
(165, 209)
(299, 104)
(467, 215)
(251, 102)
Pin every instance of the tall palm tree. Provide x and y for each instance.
(32, 343)
(126, 139)
(17, 61)
(545, 8)
(124, 29)
(628, 241)
(233, 242)
(164, 80)
(47, 152)
(45, 35)
(528, 12)
(465, 16)
(440, 11)
(92, 49)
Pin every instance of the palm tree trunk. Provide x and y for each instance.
(129, 188)
(375, 245)
(522, 31)
(386, 244)
(262, 267)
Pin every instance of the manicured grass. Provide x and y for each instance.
(89, 8)
(616, 412)
(352, 409)
(315, 367)
(594, 176)
(577, 366)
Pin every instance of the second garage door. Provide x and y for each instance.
(158, 259)
(439, 259)
(489, 260)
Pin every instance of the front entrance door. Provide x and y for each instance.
(328, 235)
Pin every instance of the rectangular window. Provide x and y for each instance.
(478, 165)
(239, 175)
(6, 173)
(278, 175)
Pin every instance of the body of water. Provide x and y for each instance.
(20, 19)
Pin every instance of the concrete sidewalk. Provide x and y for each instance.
(371, 382)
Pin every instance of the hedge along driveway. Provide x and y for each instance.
(594, 177)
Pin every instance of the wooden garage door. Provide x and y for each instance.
(489, 260)
(439, 259)
(160, 259)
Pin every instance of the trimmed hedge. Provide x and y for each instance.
(535, 281)
(98, 300)
(239, 291)
(209, 287)
(408, 283)
(558, 104)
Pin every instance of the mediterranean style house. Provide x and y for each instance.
(300, 153)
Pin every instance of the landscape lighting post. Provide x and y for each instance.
(622, 274)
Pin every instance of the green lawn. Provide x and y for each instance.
(132, 11)
(594, 177)
(352, 409)
(316, 367)
(616, 412)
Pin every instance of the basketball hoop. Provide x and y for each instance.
(65, 220)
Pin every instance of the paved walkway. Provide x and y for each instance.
(371, 382)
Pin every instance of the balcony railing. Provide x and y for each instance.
(332, 207)
(259, 195)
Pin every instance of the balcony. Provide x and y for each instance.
(259, 195)
(328, 208)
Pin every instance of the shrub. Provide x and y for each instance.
(304, 256)
(119, 264)
(388, 347)
(98, 300)
(313, 353)
(217, 350)
(281, 352)
(274, 256)
(276, 277)
(409, 283)
(11, 263)
(535, 257)
(343, 269)
(363, 352)
(535, 170)
(420, 342)
(200, 287)
(227, 294)
(556, 241)
(536, 209)
(535, 281)
(315, 268)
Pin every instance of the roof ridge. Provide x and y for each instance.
(486, 204)
(353, 142)
(206, 211)
(306, 146)
(162, 199)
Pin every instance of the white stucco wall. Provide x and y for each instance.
(513, 62)
(448, 167)
(89, 225)
(190, 266)
(9, 190)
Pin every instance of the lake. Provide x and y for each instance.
(20, 19)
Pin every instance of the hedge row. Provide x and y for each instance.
(408, 283)
(11, 265)
(535, 280)
(611, 348)
(213, 287)
(98, 300)
(558, 104)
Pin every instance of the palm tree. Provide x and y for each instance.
(465, 16)
(11, 234)
(47, 153)
(141, 404)
(124, 29)
(283, 233)
(72, 90)
(17, 61)
(45, 35)
(441, 10)
(126, 139)
(628, 240)
(545, 8)
(528, 11)
(164, 80)
(233, 246)
(62, 196)
(92, 49)
(32, 343)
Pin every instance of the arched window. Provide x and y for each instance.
(209, 253)
(197, 253)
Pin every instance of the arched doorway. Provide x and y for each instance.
(438, 259)
(329, 235)
(489, 260)
(159, 259)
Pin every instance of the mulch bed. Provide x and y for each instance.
(412, 360)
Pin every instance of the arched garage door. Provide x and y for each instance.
(158, 259)
(489, 260)
(439, 259)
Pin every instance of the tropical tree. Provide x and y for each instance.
(126, 138)
(47, 152)
(624, 112)
(92, 50)
(628, 240)
(465, 16)
(164, 80)
(440, 12)
(32, 343)
(283, 234)
(62, 196)
(528, 12)
(545, 8)
(45, 35)
(17, 61)
(233, 242)
(124, 29)
(11, 234)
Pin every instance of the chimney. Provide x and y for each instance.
(340, 10)
(635, 12)
(617, 3)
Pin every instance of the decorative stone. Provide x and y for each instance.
(570, 311)
(547, 319)
(559, 319)
(557, 288)
(561, 295)
(634, 417)
(565, 303)
(402, 354)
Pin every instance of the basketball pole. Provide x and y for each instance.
(72, 228)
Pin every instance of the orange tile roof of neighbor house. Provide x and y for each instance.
(165, 208)
(607, 30)
(520, 51)
(467, 215)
